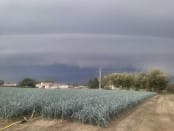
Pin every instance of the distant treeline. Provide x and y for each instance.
(26, 82)
(153, 80)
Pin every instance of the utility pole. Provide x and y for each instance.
(100, 78)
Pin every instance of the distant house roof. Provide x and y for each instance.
(9, 84)
(46, 81)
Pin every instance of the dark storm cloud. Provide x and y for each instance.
(136, 34)
(89, 50)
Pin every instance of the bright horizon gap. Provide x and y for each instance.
(99, 35)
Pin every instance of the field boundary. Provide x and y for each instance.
(128, 112)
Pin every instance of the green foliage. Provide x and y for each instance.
(119, 80)
(1, 82)
(27, 82)
(154, 80)
(88, 106)
(157, 80)
(128, 80)
(141, 81)
(93, 83)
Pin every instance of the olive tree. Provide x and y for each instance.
(93, 83)
(27, 82)
(1, 82)
(157, 80)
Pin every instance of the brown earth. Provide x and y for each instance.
(156, 114)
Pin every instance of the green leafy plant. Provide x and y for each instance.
(88, 106)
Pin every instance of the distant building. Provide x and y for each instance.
(8, 84)
(80, 87)
(51, 85)
(112, 87)
(63, 86)
(59, 86)
(45, 84)
(55, 85)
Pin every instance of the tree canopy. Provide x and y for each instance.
(1, 82)
(93, 83)
(27, 82)
(153, 80)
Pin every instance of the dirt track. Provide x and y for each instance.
(156, 114)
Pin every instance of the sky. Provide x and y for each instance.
(68, 40)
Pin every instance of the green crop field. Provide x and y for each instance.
(88, 106)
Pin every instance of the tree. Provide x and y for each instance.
(141, 81)
(128, 80)
(27, 82)
(154, 80)
(157, 80)
(118, 80)
(1, 82)
(107, 82)
(93, 83)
